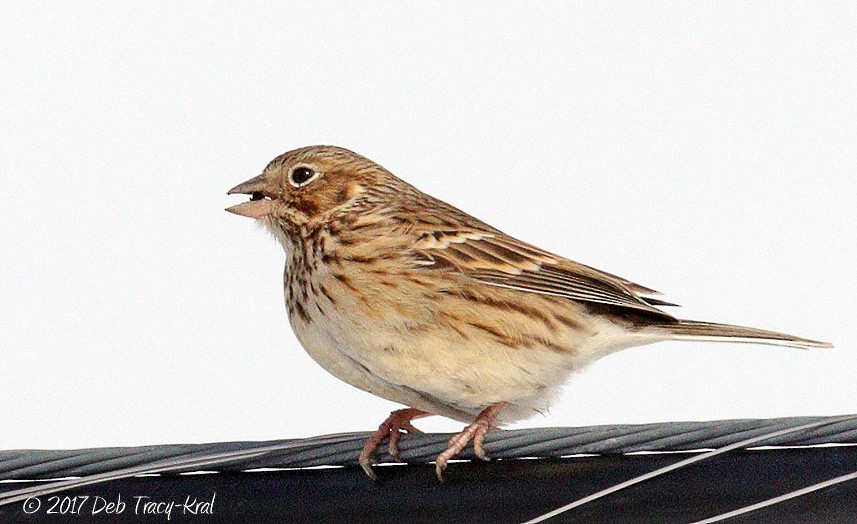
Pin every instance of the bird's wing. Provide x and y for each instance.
(496, 259)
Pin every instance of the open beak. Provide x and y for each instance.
(261, 202)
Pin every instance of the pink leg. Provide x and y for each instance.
(475, 432)
(396, 423)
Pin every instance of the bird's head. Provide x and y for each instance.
(309, 184)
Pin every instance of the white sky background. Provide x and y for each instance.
(709, 152)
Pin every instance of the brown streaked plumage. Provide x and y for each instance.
(406, 297)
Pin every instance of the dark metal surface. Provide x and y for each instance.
(503, 491)
(339, 450)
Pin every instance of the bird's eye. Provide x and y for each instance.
(301, 176)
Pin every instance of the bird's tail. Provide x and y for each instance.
(709, 331)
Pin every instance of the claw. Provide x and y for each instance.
(439, 468)
(367, 467)
(391, 428)
(475, 432)
(479, 445)
(393, 445)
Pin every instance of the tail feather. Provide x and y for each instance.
(709, 331)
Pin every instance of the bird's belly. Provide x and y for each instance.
(336, 345)
(430, 367)
(325, 343)
(444, 353)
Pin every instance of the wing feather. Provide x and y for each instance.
(496, 259)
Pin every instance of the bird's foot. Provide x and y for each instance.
(392, 428)
(475, 432)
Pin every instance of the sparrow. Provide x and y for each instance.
(413, 300)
